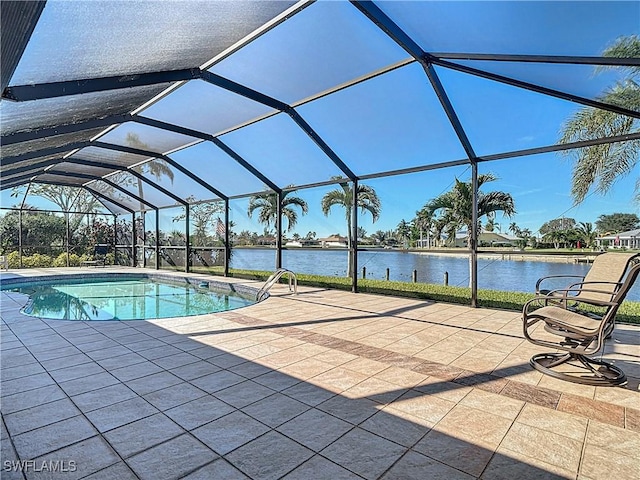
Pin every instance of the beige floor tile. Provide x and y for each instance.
(509, 464)
(479, 360)
(615, 440)
(468, 456)
(437, 355)
(561, 423)
(587, 391)
(335, 358)
(375, 389)
(424, 406)
(555, 449)
(339, 378)
(365, 366)
(474, 425)
(397, 426)
(453, 392)
(602, 463)
(307, 368)
(493, 403)
(401, 377)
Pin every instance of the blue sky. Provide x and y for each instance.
(395, 121)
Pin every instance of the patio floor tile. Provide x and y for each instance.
(173, 396)
(36, 417)
(319, 466)
(31, 398)
(153, 382)
(219, 468)
(88, 456)
(414, 466)
(469, 456)
(119, 414)
(172, 459)
(243, 394)
(197, 412)
(119, 470)
(230, 432)
(275, 409)
(194, 370)
(103, 397)
(532, 442)
(138, 370)
(315, 429)
(142, 434)
(89, 383)
(23, 384)
(217, 381)
(269, 457)
(364, 453)
(507, 464)
(43, 440)
(405, 430)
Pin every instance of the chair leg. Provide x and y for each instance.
(601, 373)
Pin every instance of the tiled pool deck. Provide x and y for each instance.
(322, 385)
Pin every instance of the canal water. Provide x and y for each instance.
(494, 274)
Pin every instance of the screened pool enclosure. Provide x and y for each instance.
(165, 120)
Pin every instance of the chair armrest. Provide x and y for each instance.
(542, 279)
(562, 297)
(565, 294)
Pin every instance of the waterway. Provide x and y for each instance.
(493, 273)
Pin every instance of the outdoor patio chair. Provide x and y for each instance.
(578, 320)
(601, 283)
(99, 256)
(605, 275)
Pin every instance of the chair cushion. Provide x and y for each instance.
(572, 321)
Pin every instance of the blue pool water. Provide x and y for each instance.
(126, 299)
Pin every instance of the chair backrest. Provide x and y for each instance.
(629, 280)
(610, 269)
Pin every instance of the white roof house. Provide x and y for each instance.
(628, 239)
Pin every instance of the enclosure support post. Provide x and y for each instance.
(115, 240)
(66, 217)
(157, 245)
(227, 245)
(187, 251)
(20, 237)
(473, 241)
(280, 197)
(354, 238)
(134, 240)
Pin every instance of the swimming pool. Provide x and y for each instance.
(127, 297)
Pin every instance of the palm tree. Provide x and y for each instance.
(602, 165)
(368, 201)
(403, 229)
(455, 208)
(424, 222)
(380, 237)
(556, 237)
(267, 204)
(586, 233)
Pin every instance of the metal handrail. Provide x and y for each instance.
(273, 279)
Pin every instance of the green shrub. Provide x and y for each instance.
(14, 260)
(37, 260)
(75, 260)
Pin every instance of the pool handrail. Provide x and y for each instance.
(273, 279)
